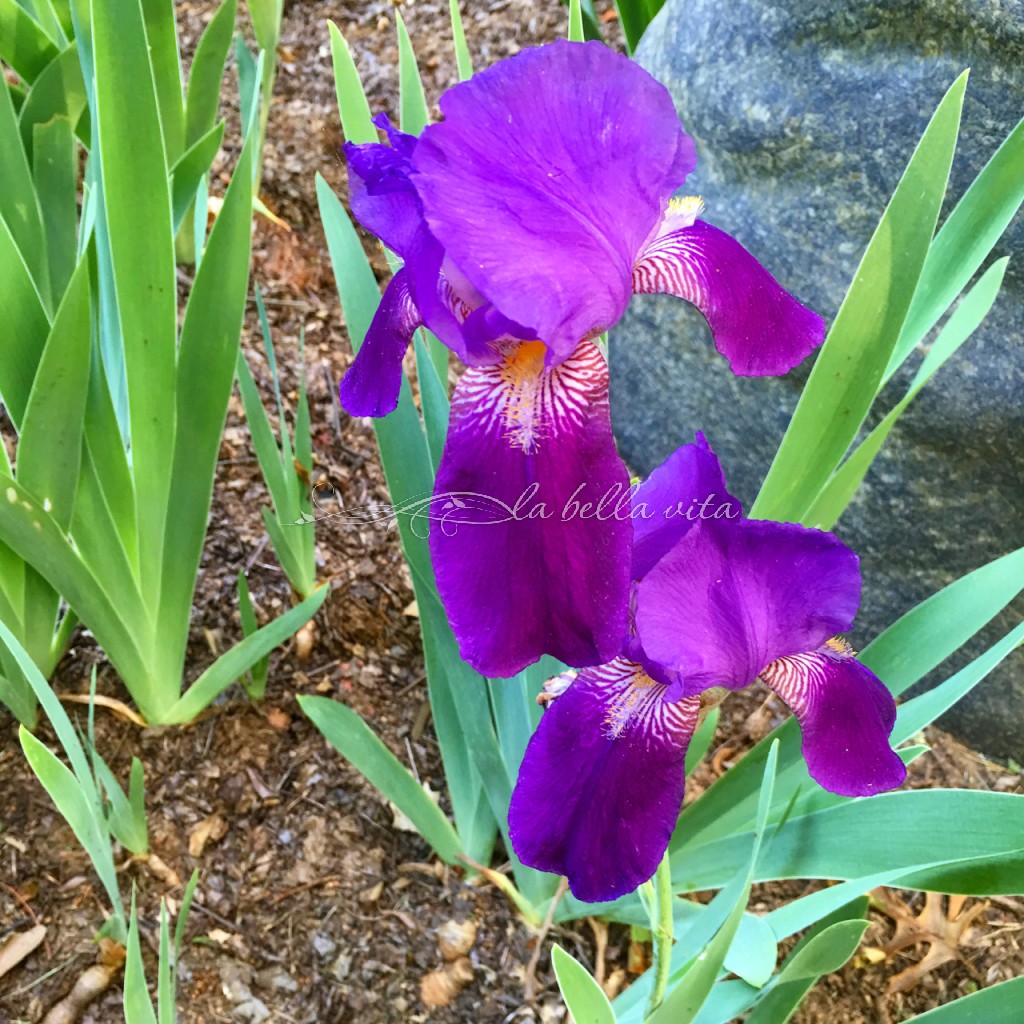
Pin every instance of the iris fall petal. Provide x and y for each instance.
(757, 325)
(602, 781)
(846, 715)
(522, 567)
(374, 380)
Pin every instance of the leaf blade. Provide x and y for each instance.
(353, 738)
(851, 363)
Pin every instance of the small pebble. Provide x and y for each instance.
(323, 945)
(253, 1010)
(234, 983)
(342, 967)
(276, 980)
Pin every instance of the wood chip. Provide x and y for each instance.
(159, 868)
(372, 894)
(279, 719)
(439, 988)
(19, 946)
(305, 640)
(211, 829)
(455, 939)
(91, 984)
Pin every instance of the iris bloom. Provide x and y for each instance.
(717, 600)
(525, 222)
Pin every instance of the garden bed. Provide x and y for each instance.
(314, 904)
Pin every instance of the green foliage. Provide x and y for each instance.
(823, 950)
(585, 24)
(635, 16)
(255, 680)
(576, 21)
(964, 242)
(353, 738)
(849, 368)
(999, 1004)
(87, 794)
(917, 277)
(286, 466)
(689, 994)
(584, 998)
(463, 60)
(837, 493)
(138, 1006)
(96, 301)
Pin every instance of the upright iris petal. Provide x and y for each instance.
(686, 488)
(545, 179)
(749, 592)
(716, 601)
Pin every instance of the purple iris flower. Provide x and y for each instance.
(717, 600)
(525, 221)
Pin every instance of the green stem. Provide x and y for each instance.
(661, 933)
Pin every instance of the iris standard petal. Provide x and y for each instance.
(374, 380)
(757, 325)
(602, 781)
(732, 596)
(846, 715)
(687, 487)
(381, 195)
(530, 539)
(548, 174)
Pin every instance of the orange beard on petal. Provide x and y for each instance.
(523, 380)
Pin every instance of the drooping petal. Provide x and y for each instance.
(531, 552)
(374, 380)
(601, 784)
(757, 325)
(548, 174)
(381, 194)
(687, 487)
(386, 202)
(732, 596)
(846, 715)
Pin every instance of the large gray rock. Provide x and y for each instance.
(805, 115)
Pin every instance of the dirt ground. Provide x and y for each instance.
(313, 906)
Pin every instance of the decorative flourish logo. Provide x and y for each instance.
(469, 508)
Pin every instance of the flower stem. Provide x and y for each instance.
(661, 933)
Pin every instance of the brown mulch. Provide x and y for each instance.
(313, 905)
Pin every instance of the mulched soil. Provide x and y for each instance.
(314, 905)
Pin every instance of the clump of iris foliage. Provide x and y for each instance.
(520, 226)
(116, 388)
(579, 630)
(117, 406)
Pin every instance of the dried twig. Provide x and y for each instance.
(110, 703)
(530, 988)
